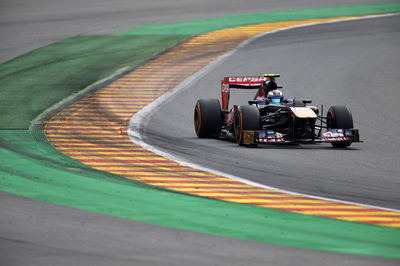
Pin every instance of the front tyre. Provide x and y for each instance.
(246, 118)
(207, 118)
(340, 117)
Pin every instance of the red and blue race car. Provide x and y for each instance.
(270, 118)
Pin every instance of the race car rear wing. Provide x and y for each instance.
(248, 82)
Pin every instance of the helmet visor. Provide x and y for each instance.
(276, 100)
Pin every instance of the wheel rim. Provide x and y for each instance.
(197, 119)
(238, 128)
(330, 120)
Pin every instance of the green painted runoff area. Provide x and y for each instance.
(207, 25)
(31, 167)
(37, 80)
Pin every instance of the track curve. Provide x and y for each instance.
(39, 23)
(38, 233)
(91, 131)
(339, 63)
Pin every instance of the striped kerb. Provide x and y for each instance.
(94, 131)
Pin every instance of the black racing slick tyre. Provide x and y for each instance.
(339, 117)
(207, 118)
(246, 118)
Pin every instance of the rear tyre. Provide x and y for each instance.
(246, 118)
(339, 117)
(207, 118)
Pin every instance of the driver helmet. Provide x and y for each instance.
(275, 96)
(270, 85)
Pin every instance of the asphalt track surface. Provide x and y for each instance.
(347, 63)
(45, 234)
(29, 24)
(64, 236)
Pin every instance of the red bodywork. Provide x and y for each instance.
(241, 83)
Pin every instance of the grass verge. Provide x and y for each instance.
(206, 25)
(35, 81)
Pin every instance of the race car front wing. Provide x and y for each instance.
(251, 137)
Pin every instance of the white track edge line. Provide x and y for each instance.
(141, 117)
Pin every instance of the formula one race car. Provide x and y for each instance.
(270, 118)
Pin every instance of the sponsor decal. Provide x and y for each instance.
(337, 139)
(270, 136)
(334, 134)
(247, 79)
(225, 87)
(337, 135)
(271, 140)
